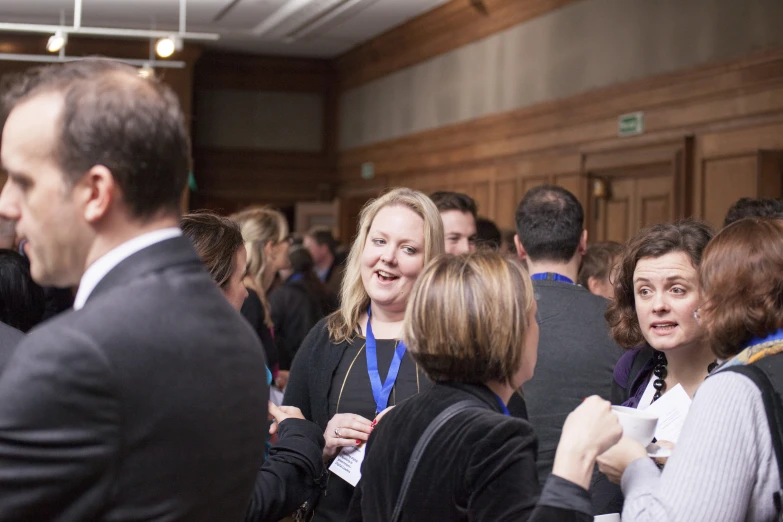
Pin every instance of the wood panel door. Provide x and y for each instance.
(632, 203)
(632, 189)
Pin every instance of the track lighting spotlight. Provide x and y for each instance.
(57, 41)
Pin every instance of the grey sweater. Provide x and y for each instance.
(723, 467)
(576, 357)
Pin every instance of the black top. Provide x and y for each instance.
(253, 311)
(351, 392)
(480, 466)
(310, 388)
(295, 310)
(576, 357)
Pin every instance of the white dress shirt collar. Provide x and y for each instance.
(104, 264)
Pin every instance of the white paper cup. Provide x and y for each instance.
(637, 424)
(611, 517)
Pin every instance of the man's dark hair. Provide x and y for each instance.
(754, 207)
(549, 223)
(488, 234)
(323, 236)
(132, 126)
(445, 200)
(21, 300)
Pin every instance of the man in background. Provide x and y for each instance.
(575, 353)
(458, 212)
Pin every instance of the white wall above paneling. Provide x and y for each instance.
(586, 45)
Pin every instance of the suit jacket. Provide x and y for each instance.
(9, 338)
(147, 404)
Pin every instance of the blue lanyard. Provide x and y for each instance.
(296, 277)
(551, 276)
(774, 336)
(381, 392)
(502, 404)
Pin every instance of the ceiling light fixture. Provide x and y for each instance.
(167, 46)
(57, 41)
(78, 29)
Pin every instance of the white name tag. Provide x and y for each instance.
(348, 464)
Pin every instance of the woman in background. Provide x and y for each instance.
(336, 377)
(297, 305)
(265, 232)
(289, 475)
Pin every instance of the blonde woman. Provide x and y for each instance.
(265, 233)
(471, 325)
(352, 365)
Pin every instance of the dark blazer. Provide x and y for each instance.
(294, 312)
(9, 338)
(480, 466)
(147, 404)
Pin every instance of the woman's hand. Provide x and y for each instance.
(345, 429)
(588, 431)
(615, 460)
(281, 413)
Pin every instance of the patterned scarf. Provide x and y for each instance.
(756, 349)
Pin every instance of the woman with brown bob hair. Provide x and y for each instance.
(724, 466)
(652, 315)
(471, 325)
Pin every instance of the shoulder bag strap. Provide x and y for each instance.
(421, 445)
(774, 411)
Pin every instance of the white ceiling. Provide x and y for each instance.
(317, 28)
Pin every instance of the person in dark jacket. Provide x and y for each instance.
(471, 325)
(290, 474)
(21, 300)
(297, 305)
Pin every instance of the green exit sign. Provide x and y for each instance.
(630, 124)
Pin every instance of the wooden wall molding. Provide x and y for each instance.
(676, 104)
(443, 29)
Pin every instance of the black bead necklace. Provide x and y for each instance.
(660, 372)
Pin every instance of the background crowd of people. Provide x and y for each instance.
(475, 371)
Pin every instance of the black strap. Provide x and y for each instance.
(421, 445)
(774, 409)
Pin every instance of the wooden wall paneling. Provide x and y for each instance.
(217, 70)
(673, 102)
(725, 181)
(742, 141)
(452, 25)
(769, 173)
(506, 201)
(481, 195)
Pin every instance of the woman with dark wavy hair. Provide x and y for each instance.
(724, 466)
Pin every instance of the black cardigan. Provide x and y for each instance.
(480, 466)
(312, 371)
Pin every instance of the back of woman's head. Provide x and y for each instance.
(216, 240)
(22, 301)
(742, 284)
(259, 226)
(687, 236)
(467, 317)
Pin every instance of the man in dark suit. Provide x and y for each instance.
(147, 401)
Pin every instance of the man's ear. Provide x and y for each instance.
(97, 189)
(521, 254)
(582, 248)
